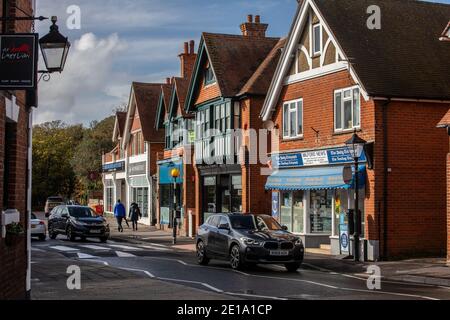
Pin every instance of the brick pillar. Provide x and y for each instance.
(448, 209)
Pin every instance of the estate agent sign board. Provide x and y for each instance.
(18, 61)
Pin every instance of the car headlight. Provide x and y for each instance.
(79, 223)
(252, 242)
(298, 242)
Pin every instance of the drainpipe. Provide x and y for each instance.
(385, 178)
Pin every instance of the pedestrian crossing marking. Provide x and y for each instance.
(128, 248)
(85, 256)
(64, 248)
(156, 248)
(97, 248)
(122, 254)
(158, 245)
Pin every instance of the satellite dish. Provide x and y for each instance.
(269, 125)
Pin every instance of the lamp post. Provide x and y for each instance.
(175, 173)
(355, 146)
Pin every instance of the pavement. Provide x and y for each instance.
(431, 271)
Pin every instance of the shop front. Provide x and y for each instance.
(167, 192)
(221, 189)
(139, 189)
(312, 192)
(114, 184)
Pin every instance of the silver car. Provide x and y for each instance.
(38, 229)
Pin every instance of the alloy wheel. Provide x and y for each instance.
(235, 257)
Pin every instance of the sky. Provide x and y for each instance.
(120, 41)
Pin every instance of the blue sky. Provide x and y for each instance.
(121, 41)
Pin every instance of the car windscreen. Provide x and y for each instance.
(265, 223)
(81, 212)
(242, 222)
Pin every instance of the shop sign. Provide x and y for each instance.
(275, 204)
(315, 158)
(135, 169)
(344, 238)
(18, 61)
(114, 167)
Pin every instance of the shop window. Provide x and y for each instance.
(347, 105)
(236, 193)
(210, 196)
(293, 119)
(165, 199)
(292, 211)
(321, 208)
(140, 196)
(9, 152)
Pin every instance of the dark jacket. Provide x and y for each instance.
(135, 212)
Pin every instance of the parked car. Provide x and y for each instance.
(77, 221)
(248, 240)
(51, 203)
(38, 228)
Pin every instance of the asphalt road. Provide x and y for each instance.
(163, 263)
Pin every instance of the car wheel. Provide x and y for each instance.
(103, 239)
(202, 259)
(70, 234)
(51, 233)
(42, 237)
(292, 267)
(235, 258)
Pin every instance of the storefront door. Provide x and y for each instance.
(292, 211)
(321, 211)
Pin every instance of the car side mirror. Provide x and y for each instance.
(284, 228)
(224, 227)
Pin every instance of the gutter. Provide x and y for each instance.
(385, 178)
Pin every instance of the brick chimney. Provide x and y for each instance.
(187, 59)
(254, 28)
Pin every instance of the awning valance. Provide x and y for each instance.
(313, 179)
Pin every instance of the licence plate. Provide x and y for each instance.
(33, 226)
(95, 231)
(279, 253)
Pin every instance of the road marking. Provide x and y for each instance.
(255, 296)
(156, 248)
(122, 254)
(85, 256)
(64, 248)
(37, 250)
(122, 247)
(139, 270)
(156, 244)
(193, 282)
(97, 248)
(100, 261)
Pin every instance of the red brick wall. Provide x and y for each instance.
(154, 149)
(448, 208)
(13, 260)
(416, 149)
(206, 93)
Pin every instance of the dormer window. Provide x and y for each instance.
(209, 76)
(316, 39)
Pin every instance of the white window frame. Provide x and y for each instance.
(290, 112)
(313, 38)
(343, 99)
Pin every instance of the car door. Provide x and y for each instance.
(54, 219)
(64, 214)
(212, 234)
(222, 236)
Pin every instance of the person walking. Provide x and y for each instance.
(120, 214)
(135, 215)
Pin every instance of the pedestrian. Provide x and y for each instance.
(120, 214)
(135, 215)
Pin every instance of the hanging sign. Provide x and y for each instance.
(18, 61)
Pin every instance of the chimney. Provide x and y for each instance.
(168, 81)
(254, 29)
(187, 59)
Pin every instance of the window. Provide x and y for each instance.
(293, 119)
(168, 135)
(292, 211)
(347, 105)
(222, 117)
(317, 39)
(209, 76)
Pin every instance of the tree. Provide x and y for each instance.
(54, 144)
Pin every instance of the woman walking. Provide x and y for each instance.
(135, 215)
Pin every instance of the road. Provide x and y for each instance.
(161, 263)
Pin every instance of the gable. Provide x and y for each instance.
(206, 91)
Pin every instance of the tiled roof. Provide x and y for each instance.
(259, 82)
(181, 87)
(405, 58)
(147, 97)
(236, 58)
(121, 120)
(167, 93)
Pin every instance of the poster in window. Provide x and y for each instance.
(275, 204)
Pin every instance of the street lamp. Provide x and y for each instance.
(55, 48)
(175, 173)
(355, 146)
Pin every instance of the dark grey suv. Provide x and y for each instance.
(248, 240)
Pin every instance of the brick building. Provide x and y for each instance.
(15, 117)
(226, 93)
(390, 85)
(177, 126)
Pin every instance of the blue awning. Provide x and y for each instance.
(313, 179)
(165, 169)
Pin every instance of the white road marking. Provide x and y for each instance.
(64, 249)
(254, 296)
(128, 248)
(140, 270)
(193, 282)
(157, 244)
(100, 261)
(156, 248)
(85, 256)
(96, 248)
(37, 250)
(122, 254)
